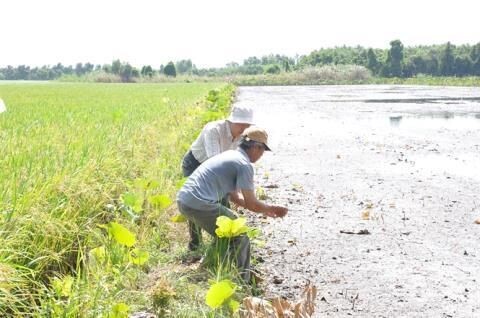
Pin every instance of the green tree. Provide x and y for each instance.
(394, 63)
(475, 52)
(431, 63)
(475, 58)
(79, 69)
(126, 71)
(476, 67)
(116, 67)
(147, 70)
(252, 60)
(88, 67)
(463, 66)
(251, 69)
(372, 62)
(170, 70)
(23, 72)
(447, 61)
(184, 66)
(107, 68)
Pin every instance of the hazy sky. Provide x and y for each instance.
(215, 32)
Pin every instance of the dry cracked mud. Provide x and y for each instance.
(382, 186)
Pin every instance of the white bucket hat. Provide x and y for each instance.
(2, 106)
(241, 115)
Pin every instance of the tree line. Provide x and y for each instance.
(124, 70)
(397, 61)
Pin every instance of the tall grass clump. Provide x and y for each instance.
(87, 173)
(318, 75)
(92, 77)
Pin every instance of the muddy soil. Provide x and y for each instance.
(382, 185)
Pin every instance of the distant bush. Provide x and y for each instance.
(273, 69)
(335, 73)
(102, 77)
(251, 69)
(97, 76)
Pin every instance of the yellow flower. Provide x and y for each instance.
(219, 293)
(227, 227)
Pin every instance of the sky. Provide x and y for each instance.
(214, 32)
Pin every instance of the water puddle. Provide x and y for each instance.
(443, 100)
(419, 100)
(382, 123)
(436, 120)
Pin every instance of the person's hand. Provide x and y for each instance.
(280, 211)
(276, 211)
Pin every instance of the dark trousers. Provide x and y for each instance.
(189, 165)
(207, 220)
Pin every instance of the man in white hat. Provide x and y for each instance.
(230, 172)
(215, 138)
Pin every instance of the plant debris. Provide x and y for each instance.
(361, 232)
(255, 307)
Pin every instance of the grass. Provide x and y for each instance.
(77, 158)
(473, 81)
(312, 75)
(346, 75)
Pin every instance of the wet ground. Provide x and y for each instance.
(383, 184)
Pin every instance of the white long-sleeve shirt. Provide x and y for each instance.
(216, 137)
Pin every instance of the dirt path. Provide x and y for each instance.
(403, 174)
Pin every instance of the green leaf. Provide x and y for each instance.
(178, 218)
(119, 310)
(121, 234)
(145, 184)
(261, 193)
(98, 253)
(133, 200)
(129, 198)
(63, 287)
(233, 305)
(219, 293)
(153, 184)
(138, 257)
(160, 200)
(253, 233)
(140, 184)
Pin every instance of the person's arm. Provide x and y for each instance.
(251, 203)
(237, 198)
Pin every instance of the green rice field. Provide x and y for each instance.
(87, 172)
